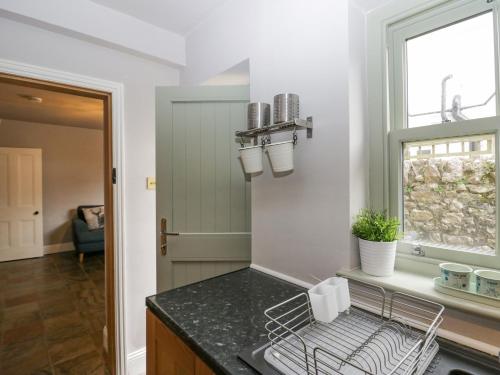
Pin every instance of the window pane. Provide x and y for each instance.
(450, 199)
(457, 61)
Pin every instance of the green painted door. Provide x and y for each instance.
(202, 192)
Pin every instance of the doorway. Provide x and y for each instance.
(109, 342)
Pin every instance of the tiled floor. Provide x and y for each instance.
(52, 315)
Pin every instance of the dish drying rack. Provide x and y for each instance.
(379, 334)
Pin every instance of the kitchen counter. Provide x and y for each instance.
(222, 317)
(219, 317)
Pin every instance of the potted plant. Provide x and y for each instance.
(378, 235)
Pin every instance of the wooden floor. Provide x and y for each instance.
(52, 315)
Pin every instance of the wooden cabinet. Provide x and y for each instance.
(167, 354)
(201, 368)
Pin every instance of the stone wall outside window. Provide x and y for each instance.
(451, 201)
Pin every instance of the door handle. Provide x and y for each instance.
(163, 236)
(170, 233)
(36, 213)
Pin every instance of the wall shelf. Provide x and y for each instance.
(283, 126)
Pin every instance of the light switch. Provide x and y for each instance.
(151, 183)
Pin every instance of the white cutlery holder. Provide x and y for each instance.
(324, 302)
(342, 295)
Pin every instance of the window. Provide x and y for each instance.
(443, 136)
(451, 73)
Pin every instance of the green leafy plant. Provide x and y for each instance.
(376, 226)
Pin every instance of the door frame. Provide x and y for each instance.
(112, 95)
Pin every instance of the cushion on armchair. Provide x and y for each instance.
(86, 239)
(92, 215)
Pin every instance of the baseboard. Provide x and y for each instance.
(136, 362)
(58, 248)
(282, 276)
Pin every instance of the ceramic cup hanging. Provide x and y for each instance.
(251, 157)
(281, 156)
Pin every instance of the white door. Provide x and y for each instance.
(202, 193)
(20, 203)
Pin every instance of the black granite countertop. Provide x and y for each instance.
(220, 317)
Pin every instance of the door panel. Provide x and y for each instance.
(21, 218)
(222, 168)
(201, 187)
(208, 246)
(239, 201)
(25, 180)
(27, 233)
(5, 241)
(193, 167)
(4, 180)
(208, 163)
(179, 188)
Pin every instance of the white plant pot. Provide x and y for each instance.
(281, 156)
(251, 157)
(377, 258)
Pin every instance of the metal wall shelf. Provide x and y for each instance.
(283, 126)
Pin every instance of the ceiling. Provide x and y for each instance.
(182, 16)
(56, 108)
(179, 16)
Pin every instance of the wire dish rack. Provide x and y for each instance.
(379, 334)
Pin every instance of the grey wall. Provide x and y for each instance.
(33, 45)
(72, 170)
(300, 222)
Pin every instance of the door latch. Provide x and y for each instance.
(163, 236)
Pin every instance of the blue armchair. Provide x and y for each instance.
(85, 240)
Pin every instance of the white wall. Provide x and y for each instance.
(32, 45)
(358, 129)
(301, 222)
(238, 75)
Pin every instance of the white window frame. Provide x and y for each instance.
(389, 114)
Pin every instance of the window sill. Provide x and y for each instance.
(423, 286)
